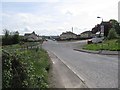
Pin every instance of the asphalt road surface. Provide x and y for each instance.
(97, 71)
(61, 76)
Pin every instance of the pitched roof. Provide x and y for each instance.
(86, 32)
(27, 34)
(68, 33)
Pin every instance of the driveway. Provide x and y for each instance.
(98, 71)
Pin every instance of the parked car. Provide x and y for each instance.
(97, 39)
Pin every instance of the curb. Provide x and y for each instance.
(99, 52)
(81, 50)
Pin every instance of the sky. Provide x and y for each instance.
(52, 17)
(119, 12)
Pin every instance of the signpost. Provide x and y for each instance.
(102, 30)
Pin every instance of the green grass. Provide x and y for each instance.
(39, 62)
(112, 45)
(36, 64)
(15, 46)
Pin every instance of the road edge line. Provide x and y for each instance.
(83, 81)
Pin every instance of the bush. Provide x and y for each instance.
(25, 69)
(112, 34)
(15, 38)
(13, 71)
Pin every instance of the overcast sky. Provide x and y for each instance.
(52, 17)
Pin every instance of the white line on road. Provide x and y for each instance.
(73, 71)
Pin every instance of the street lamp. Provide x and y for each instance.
(101, 18)
(101, 27)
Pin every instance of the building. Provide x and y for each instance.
(68, 36)
(32, 37)
(86, 34)
(106, 26)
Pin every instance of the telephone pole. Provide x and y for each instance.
(72, 29)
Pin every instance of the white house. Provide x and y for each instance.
(32, 37)
(68, 35)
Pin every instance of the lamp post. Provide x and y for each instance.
(101, 27)
(101, 32)
(101, 18)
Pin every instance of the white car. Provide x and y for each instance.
(97, 39)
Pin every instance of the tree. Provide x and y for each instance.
(6, 40)
(9, 38)
(112, 34)
(6, 32)
(16, 37)
(115, 25)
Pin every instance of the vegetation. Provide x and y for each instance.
(115, 25)
(112, 45)
(24, 68)
(112, 34)
(107, 27)
(10, 37)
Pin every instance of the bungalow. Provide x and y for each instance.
(68, 35)
(32, 37)
(86, 34)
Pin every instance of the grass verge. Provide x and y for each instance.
(112, 45)
(27, 68)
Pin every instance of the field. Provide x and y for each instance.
(112, 45)
(25, 66)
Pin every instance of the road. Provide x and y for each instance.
(98, 71)
(61, 76)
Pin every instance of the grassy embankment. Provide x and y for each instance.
(25, 68)
(112, 45)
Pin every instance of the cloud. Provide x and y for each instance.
(30, 0)
(32, 18)
(69, 13)
(58, 16)
(119, 11)
(25, 19)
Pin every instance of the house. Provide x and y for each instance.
(86, 34)
(106, 27)
(68, 35)
(16, 33)
(32, 37)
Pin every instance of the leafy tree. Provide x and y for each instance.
(6, 32)
(112, 34)
(16, 37)
(6, 38)
(9, 38)
(115, 25)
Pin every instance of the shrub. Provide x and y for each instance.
(112, 34)
(9, 39)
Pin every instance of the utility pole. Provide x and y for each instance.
(72, 29)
